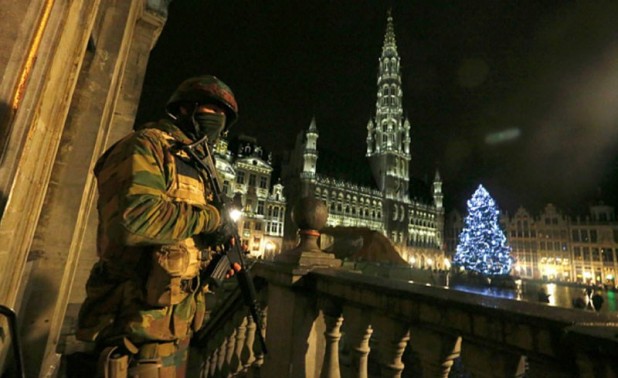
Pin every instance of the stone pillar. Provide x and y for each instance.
(295, 334)
(39, 107)
(70, 196)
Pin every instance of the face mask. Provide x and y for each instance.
(209, 124)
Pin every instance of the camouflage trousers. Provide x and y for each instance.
(148, 356)
(170, 358)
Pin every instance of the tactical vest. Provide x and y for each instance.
(175, 267)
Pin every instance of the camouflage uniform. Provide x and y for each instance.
(152, 200)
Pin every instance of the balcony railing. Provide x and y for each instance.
(325, 321)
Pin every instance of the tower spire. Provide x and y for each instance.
(388, 134)
(389, 37)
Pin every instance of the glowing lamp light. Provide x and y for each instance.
(447, 263)
(412, 260)
(235, 214)
(610, 276)
(429, 262)
(270, 246)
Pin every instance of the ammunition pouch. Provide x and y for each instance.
(114, 359)
(113, 363)
(173, 274)
(146, 369)
(125, 360)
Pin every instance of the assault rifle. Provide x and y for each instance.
(218, 268)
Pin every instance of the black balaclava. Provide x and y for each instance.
(199, 125)
(210, 124)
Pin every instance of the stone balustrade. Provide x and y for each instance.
(325, 321)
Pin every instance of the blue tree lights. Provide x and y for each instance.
(482, 245)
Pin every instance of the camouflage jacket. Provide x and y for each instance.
(150, 195)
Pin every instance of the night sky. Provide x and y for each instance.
(518, 96)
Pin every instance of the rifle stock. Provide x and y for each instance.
(233, 254)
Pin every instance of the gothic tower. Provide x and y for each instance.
(388, 134)
(438, 199)
(438, 196)
(310, 152)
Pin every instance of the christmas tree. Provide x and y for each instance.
(482, 245)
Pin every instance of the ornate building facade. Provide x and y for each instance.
(378, 195)
(555, 247)
(247, 178)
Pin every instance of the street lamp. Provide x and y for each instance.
(270, 248)
(235, 214)
(412, 260)
(447, 264)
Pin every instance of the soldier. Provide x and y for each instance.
(145, 297)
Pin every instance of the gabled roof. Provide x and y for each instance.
(254, 161)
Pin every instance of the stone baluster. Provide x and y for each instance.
(247, 354)
(205, 370)
(393, 337)
(256, 366)
(485, 361)
(358, 333)
(241, 335)
(332, 333)
(221, 356)
(436, 351)
(213, 363)
(230, 332)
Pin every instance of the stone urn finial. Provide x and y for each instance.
(310, 215)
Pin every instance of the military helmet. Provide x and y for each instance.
(203, 90)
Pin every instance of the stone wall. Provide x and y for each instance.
(81, 66)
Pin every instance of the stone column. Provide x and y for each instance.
(70, 196)
(295, 335)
